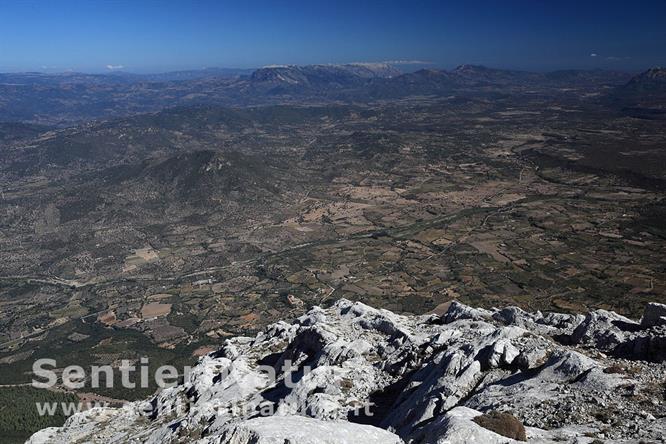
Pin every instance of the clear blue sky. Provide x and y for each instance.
(151, 36)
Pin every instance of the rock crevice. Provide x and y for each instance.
(364, 375)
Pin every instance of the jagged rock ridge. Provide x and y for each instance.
(566, 378)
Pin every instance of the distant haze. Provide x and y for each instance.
(156, 36)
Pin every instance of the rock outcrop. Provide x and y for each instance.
(355, 374)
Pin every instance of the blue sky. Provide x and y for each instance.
(152, 36)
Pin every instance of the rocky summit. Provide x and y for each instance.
(362, 375)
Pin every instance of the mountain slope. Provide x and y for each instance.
(355, 374)
(644, 95)
(311, 78)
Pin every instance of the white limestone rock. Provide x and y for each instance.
(406, 379)
(302, 430)
(457, 426)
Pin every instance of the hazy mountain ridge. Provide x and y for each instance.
(644, 95)
(65, 98)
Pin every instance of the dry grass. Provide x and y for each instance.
(503, 424)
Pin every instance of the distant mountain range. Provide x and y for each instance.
(62, 99)
(644, 94)
(322, 76)
(378, 75)
(30, 78)
(193, 74)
